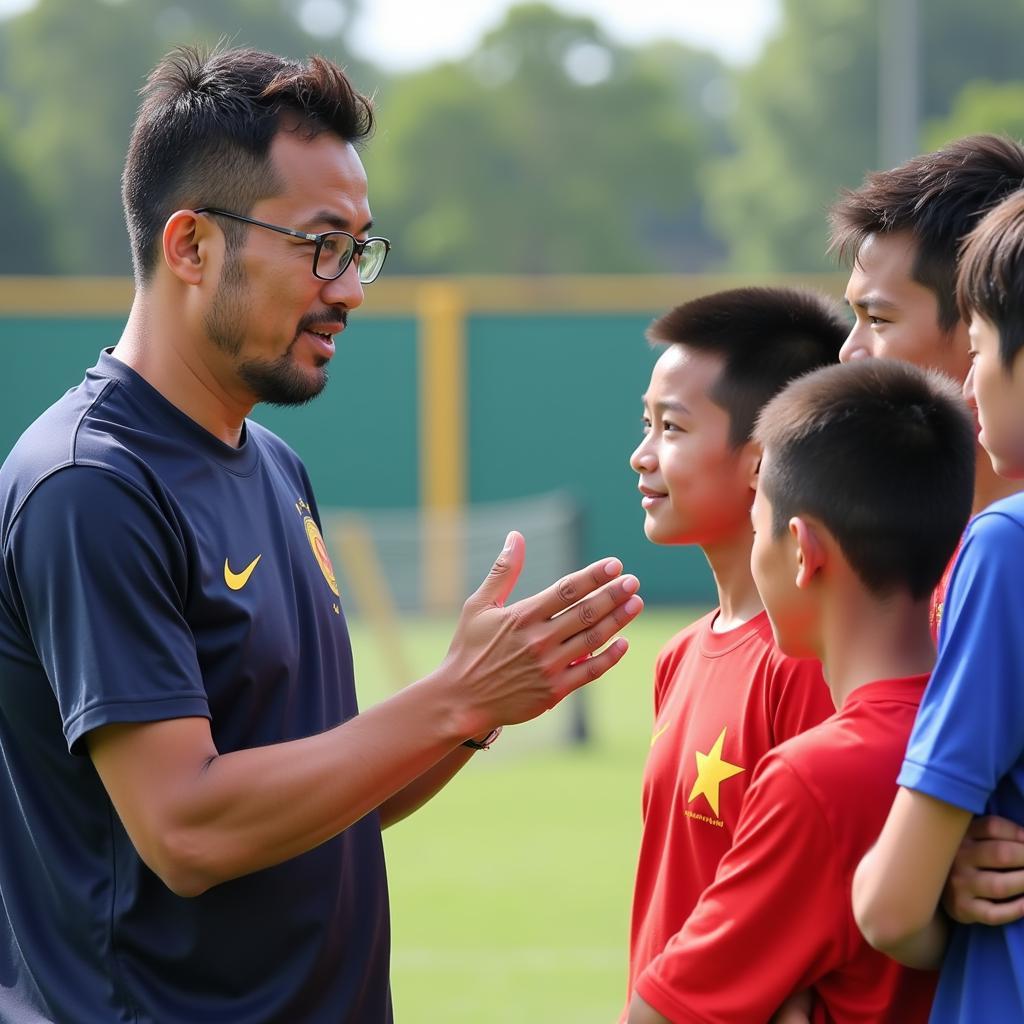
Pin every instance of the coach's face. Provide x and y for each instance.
(272, 322)
(896, 316)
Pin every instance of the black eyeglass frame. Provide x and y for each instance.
(357, 246)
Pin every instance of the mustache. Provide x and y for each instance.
(312, 320)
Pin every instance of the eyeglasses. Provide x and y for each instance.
(334, 250)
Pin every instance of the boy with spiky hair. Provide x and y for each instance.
(723, 693)
(966, 754)
(900, 232)
(865, 486)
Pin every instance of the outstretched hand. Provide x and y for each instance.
(515, 662)
(986, 882)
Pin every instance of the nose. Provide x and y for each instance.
(643, 459)
(968, 388)
(346, 290)
(855, 346)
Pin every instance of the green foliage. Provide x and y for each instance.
(549, 149)
(981, 107)
(72, 70)
(806, 123)
(29, 242)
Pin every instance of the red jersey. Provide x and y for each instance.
(778, 918)
(938, 599)
(721, 701)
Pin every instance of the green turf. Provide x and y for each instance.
(510, 891)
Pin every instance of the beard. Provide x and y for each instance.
(274, 381)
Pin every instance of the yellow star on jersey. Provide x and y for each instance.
(712, 771)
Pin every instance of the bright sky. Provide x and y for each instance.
(404, 34)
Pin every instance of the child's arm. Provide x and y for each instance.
(898, 885)
(796, 1009)
(986, 884)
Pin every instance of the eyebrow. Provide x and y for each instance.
(336, 222)
(871, 301)
(667, 406)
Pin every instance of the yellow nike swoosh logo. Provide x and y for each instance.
(237, 580)
(654, 738)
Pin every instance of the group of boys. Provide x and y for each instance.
(831, 501)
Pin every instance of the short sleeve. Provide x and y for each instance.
(99, 573)
(750, 942)
(798, 698)
(969, 731)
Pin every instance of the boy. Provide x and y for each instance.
(864, 489)
(965, 754)
(724, 694)
(901, 231)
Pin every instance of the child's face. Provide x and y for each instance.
(999, 399)
(896, 316)
(773, 564)
(696, 487)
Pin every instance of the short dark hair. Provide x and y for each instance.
(991, 279)
(937, 198)
(882, 454)
(765, 336)
(203, 133)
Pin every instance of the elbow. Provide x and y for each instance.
(182, 862)
(883, 930)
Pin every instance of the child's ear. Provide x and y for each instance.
(810, 551)
(751, 460)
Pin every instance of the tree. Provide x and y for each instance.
(806, 121)
(549, 149)
(72, 70)
(981, 107)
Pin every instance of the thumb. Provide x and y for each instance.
(504, 574)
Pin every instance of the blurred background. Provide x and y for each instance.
(552, 177)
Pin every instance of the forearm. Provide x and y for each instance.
(424, 788)
(641, 1012)
(904, 924)
(235, 813)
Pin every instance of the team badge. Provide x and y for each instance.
(316, 542)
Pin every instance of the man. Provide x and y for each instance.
(191, 804)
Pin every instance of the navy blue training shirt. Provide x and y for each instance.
(148, 572)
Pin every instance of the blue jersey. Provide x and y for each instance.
(149, 571)
(967, 747)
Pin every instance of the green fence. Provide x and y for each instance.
(552, 372)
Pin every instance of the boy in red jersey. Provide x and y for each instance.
(865, 486)
(724, 694)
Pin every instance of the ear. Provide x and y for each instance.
(187, 240)
(810, 551)
(751, 462)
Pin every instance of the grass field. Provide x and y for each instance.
(510, 891)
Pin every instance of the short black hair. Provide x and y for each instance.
(991, 279)
(936, 197)
(765, 337)
(203, 133)
(882, 454)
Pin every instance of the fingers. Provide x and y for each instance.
(568, 590)
(969, 884)
(977, 911)
(586, 670)
(585, 639)
(999, 854)
(991, 827)
(503, 575)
